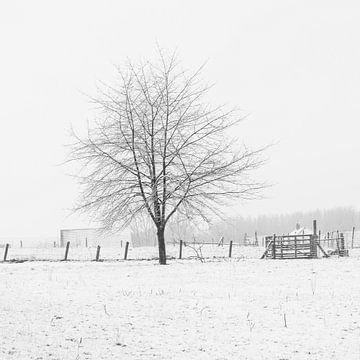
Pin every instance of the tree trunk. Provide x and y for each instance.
(161, 244)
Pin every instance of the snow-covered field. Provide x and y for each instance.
(239, 308)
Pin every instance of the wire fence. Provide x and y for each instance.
(183, 250)
(52, 249)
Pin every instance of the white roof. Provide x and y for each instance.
(301, 231)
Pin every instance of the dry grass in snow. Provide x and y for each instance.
(227, 309)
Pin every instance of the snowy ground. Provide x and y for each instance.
(240, 308)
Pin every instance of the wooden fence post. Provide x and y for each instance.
(67, 250)
(342, 241)
(332, 239)
(180, 249)
(6, 251)
(313, 246)
(126, 250)
(274, 248)
(230, 248)
(86, 242)
(352, 237)
(313, 240)
(256, 239)
(97, 253)
(314, 228)
(21, 243)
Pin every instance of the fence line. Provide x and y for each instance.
(20, 249)
(182, 250)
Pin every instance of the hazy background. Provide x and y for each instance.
(293, 65)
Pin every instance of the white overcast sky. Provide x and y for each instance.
(293, 65)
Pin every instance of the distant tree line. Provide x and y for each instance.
(339, 218)
(237, 228)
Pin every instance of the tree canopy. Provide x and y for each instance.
(158, 147)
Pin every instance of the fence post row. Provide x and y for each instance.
(336, 238)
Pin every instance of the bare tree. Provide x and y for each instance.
(158, 147)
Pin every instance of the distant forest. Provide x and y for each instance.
(340, 218)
